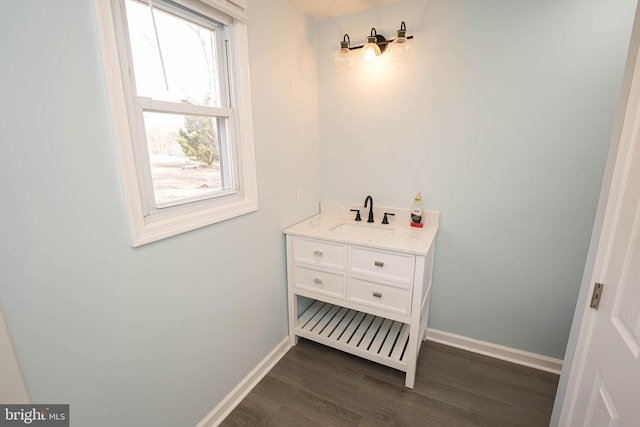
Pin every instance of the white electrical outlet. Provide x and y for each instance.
(299, 195)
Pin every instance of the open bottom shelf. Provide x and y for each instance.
(371, 337)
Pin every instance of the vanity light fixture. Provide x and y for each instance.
(376, 45)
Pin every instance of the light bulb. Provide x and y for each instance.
(370, 51)
(400, 50)
(401, 45)
(343, 57)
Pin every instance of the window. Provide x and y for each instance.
(179, 93)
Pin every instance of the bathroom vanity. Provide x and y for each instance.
(369, 283)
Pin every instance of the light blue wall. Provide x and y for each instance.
(501, 116)
(156, 335)
(583, 296)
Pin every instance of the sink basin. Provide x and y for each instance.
(358, 231)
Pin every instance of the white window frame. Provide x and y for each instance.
(149, 224)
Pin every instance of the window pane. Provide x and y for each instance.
(184, 153)
(187, 51)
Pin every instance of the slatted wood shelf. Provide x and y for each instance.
(371, 337)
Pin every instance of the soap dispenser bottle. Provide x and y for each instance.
(417, 210)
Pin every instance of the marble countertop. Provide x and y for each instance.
(336, 223)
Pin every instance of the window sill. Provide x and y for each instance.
(161, 225)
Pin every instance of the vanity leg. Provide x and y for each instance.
(410, 380)
(424, 316)
(412, 356)
(293, 318)
(292, 299)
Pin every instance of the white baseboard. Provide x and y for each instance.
(532, 360)
(231, 400)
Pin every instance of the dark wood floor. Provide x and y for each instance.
(314, 385)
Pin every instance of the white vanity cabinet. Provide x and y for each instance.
(368, 300)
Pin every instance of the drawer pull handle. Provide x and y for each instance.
(377, 294)
(378, 263)
(318, 252)
(317, 281)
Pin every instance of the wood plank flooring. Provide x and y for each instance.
(314, 385)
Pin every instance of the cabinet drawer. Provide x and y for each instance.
(393, 298)
(319, 253)
(383, 264)
(328, 283)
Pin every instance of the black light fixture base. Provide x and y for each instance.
(381, 42)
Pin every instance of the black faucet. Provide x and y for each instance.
(369, 199)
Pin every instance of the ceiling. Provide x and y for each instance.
(327, 8)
